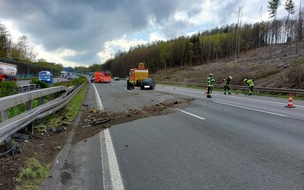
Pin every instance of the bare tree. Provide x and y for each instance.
(299, 28)
(272, 8)
(238, 29)
(289, 7)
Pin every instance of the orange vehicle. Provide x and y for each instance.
(103, 77)
(139, 74)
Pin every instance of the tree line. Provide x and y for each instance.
(201, 48)
(22, 55)
(210, 45)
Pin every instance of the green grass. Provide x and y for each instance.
(300, 61)
(32, 175)
(69, 112)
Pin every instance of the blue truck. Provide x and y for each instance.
(46, 76)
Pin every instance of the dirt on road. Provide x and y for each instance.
(44, 146)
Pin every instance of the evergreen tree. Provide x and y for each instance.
(273, 7)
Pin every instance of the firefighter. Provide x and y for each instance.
(132, 84)
(128, 83)
(210, 82)
(227, 85)
(250, 85)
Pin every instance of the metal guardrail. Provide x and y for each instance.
(237, 87)
(27, 88)
(12, 125)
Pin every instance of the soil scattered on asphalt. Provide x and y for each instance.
(92, 122)
(44, 146)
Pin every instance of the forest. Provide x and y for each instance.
(211, 45)
(204, 47)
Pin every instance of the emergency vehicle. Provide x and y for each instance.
(102, 77)
(137, 75)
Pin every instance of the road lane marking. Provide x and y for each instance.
(111, 175)
(190, 114)
(251, 109)
(231, 96)
(266, 101)
(98, 100)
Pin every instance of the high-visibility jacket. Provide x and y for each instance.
(210, 81)
(227, 82)
(250, 82)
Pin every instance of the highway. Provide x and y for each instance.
(26, 82)
(227, 142)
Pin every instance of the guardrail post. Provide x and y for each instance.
(8, 143)
(28, 105)
(41, 100)
(4, 115)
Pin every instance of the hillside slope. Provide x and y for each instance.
(278, 66)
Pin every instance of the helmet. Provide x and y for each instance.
(245, 80)
(230, 77)
(210, 74)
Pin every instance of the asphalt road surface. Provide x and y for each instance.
(227, 142)
(26, 82)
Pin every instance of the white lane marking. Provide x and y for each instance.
(252, 99)
(190, 114)
(111, 175)
(267, 101)
(251, 109)
(98, 100)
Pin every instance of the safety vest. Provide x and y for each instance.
(250, 82)
(226, 82)
(210, 81)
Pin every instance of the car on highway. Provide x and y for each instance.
(116, 78)
(147, 83)
(92, 79)
(47, 78)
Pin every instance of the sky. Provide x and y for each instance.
(85, 32)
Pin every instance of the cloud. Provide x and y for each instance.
(94, 30)
(120, 45)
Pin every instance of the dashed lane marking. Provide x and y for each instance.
(190, 114)
(98, 100)
(281, 115)
(111, 175)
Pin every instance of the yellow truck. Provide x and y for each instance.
(138, 74)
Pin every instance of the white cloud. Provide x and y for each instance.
(13, 30)
(180, 16)
(57, 56)
(154, 36)
(114, 46)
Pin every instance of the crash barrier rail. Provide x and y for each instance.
(27, 88)
(238, 87)
(12, 125)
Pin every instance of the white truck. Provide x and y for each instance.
(64, 74)
(8, 72)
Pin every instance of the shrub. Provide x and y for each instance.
(37, 81)
(7, 88)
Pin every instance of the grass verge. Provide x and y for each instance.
(34, 173)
